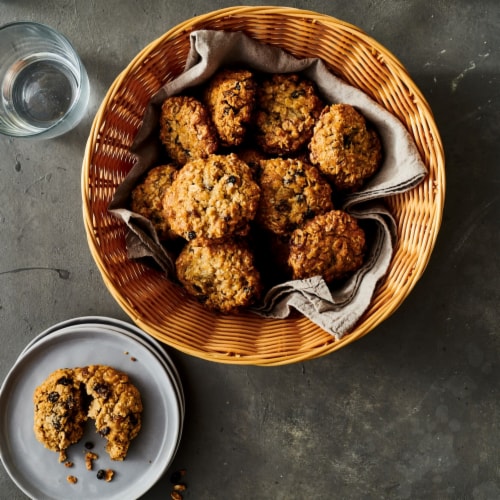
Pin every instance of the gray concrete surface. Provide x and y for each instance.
(412, 410)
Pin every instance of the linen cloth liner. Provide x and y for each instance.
(337, 310)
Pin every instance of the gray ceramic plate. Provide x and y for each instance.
(36, 470)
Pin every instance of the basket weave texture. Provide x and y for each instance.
(160, 307)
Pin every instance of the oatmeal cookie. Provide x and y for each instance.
(147, 197)
(59, 416)
(230, 99)
(220, 274)
(286, 111)
(115, 406)
(331, 245)
(212, 198)
(292, 192)
(186, 129)
(344, 148)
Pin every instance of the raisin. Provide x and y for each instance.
(56, 423)
(176, 476)
(282, 206)
(64, 381)
(133, 419)
(102, 390)
(53, 396)
(89, 445)
(101, 474)
(348, 139)
(104, 431)
(231, 179)
(297, 93)
(191, 235)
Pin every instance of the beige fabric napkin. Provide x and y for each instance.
(334, 310)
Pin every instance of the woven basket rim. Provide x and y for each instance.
(368, 323)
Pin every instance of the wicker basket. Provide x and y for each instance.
(156, 305)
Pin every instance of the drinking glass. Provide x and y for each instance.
(44, 88)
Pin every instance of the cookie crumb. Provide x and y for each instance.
(89, 460)
(68, 464)
(133, 358)
(62, 456)
(108, 476)
(72, 479)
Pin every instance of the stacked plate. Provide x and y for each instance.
(80, 342)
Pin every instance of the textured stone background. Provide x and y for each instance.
(410, 411)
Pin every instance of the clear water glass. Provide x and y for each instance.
(44, 88)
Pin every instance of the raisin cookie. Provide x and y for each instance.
(331, 245)
(186, 129)
(230, 99)
(286, 110)
(115, 406)
(344, 147)
(211, 198)
(60, 415)
(220, 274)
(69, 397)
(292, 192)
(147, 197)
